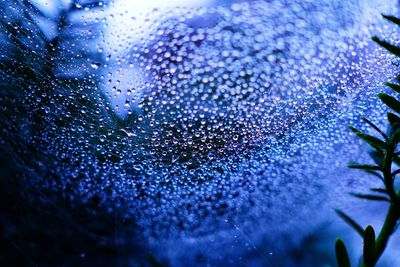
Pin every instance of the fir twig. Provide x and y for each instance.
(386, 150)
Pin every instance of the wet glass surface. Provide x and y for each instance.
(206, 132)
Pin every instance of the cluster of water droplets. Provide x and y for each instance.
(217, 88)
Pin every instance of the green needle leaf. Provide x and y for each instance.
(393, 119)
(390, 101)
(377, 157)
(396, 172)
(370, 197)
(371, 140)
(396, 160)
(395, 87)
(347, 219)
(342, 257)
(379, 190)
(366, 167)
(376, 128)
(374, 173)
(369, 246)
(389, 47)
(396, 136)
(392, 19)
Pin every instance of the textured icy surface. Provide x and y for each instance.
(228, 122)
